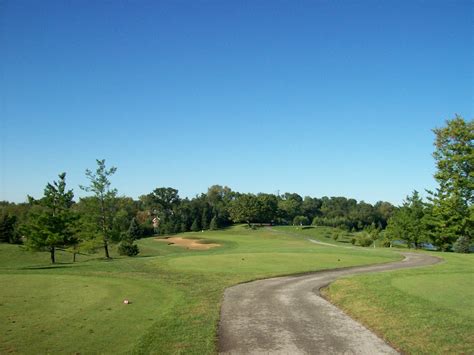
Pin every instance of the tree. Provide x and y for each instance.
(104, 198)
(462, 245)
(134, 232)
(195, 226)
(8, 232)
(214, 224)
(205, 219)
(246, 208)
(268, 208)
(127, 246)
(163, 199)
(407, 223)
(52, 224)
(383, 212)
(290, 206)
(453, 199)
(311, 207)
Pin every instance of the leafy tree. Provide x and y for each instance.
(311, 207)
(383, 212)
(52, 224)
(290, 206)
(163, 199)
(246, 208)
(218, 198)
(104, 198)
(453, 199)
(267, 208)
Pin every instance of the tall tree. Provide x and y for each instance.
(51, 226)
(290, 206)
(105, 197)
(453, 199)
(245, 208)
(407, 223)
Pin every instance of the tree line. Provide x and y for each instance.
(57, 221)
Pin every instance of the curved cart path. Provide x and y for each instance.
(286, 315)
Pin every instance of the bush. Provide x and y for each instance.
(128, 248)
(364, 240)
(462, 245)
(337, 235)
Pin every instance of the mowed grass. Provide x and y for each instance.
(428, 310)
(175, 293)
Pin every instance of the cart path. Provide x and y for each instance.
(286, 315)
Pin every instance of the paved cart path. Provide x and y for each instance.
(286, 315)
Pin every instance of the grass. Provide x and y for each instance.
(420, 311)
(175, 292)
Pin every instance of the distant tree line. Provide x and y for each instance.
(94, 222)
(57, 221)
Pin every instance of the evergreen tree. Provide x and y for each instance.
(134, 231)
(407, 223)
(128, 246)
(462, 245)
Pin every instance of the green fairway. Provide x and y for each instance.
(428, 310)
(175, 293)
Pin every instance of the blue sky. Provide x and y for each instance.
(333, 98)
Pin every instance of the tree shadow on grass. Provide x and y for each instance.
(46, 267)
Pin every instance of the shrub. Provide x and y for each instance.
(336, 235)
(363, 239)
(462, 245)
(128, 248)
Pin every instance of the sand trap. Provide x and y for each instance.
(189, 243)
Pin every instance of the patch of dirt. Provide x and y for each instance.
(194, 244)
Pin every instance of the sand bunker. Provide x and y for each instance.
(189, 243)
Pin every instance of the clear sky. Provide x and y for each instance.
(333, 98)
